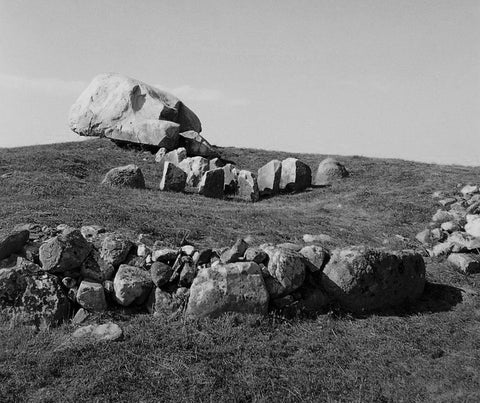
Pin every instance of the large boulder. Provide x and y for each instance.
(65, 252)
(236, 287)
(247, 186)
(212, 184)
(194, 167)
(269, 178)
(296, 175)
(362, 279)
(173, 178)
(43, 303)
(129, 176)
(328, 171)
(132, 285)
(128, 110)
(13, 243)
(196, 145)
(287, 269)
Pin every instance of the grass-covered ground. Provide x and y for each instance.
(431, 352)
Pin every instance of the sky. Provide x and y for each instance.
(380, 78)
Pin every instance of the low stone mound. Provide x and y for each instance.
(129, 176)
(329, 171)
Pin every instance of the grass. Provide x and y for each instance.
(430, 352)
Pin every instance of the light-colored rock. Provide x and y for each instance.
(230, 174)
(256, 255)
(236, 287)
(424, 237)
(173, 179)
(296, 175)
(165, 255)
(233, 254)
(247, 186)
(125, 109)
(287, 268)
(13, 243)
(438, 194)
(363, 279)
(447, 202)
(268, 178)
(143, 250)
(65, 252)
(473, 227)
(95, 268)
(196, 145)
(188, 250)
(450, 226)
(80, 317)
(318, 238)
(469, 190)
(115, 249)
(175, 156)
(91, 296)
(132, 285)
(92, 232)
(467, 263)
(329, 171)
(105, 332)
(129, 176)
(194, 167)
(442, 216)
(212, 184)
(316, 256)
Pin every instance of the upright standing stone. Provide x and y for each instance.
(194, 167)
(296, 175)
(269, 178)
(212, 184)
(173, 178)
(175, 156)
(248, 186)
(231, 179)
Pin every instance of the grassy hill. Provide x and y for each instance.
(431, 352)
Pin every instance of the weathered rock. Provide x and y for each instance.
(173, 178)
(212, 184)
(469, 190)
(269, 178)
(290, 246)
(13, 243)
(473, 227)
(319, 238)
(442, 216)
(467, 263)
(175, 156)
(129, 176)
(317, 257)
(194, 167)
(256, 255)
(125, 109)
(236, 287)
(162, 303)
(235, 252)
(160, 154)
(188, 273)
(450, 226)
(202, 257)
(132, 285)
(92, 232)
(69, 282)
(328, 171)
(447, 202)
(296, 175)
(166, 255)
(160, 273)
(95, 268)
(196, 145)
(65, 252)
(231, 178)
(247, 186)
(43, 303)
(216, 163)
(80, 317)
(91, 296)
(287, 268)
(115, 249)
(105, 332)
(363, 279)
(424, 237)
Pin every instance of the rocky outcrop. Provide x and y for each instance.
(128, 176)
(128, 110)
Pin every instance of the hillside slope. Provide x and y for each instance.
(429, 352)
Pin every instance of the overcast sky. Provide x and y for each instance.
(376, 78)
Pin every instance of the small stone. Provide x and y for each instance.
(166, 255)
(424, 237)
(469, 190)
(290, 246)
(91, 232)
(450, 226)
(69, 282)
(442, 216)
(13, 243)
(465, 262)
(202, 257)
(91, 296)
(188, 273)
(447, 202)
(235, 252)
(256, 255)
(317, 257)
(80, 317)
(129, 176)
(320, 238)
(106, 332)
(143, 250)
(188, 250)
(473, 228)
